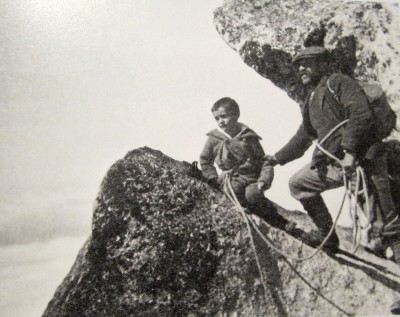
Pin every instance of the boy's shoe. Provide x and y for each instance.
(316, 237)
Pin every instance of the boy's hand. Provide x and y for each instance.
(262, 186)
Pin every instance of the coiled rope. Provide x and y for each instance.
(350, 192)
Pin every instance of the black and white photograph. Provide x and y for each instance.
(228, 158)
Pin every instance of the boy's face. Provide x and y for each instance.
(225, 120)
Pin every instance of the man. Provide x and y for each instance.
(331, 99)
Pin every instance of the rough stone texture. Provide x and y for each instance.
(363, 37)
(166, 244)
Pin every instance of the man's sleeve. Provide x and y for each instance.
(357, 110)
(207, 158)
(295, 148)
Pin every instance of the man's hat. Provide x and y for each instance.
(312, 51)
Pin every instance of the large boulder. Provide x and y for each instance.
(164, 243)
(363, 37)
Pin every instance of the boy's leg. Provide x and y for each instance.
(254, 200)
(239, 188)
(264, 208)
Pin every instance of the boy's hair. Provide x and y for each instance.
(229, 104)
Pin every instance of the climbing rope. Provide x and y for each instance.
(351, 191)
(348, 191)
(250, 223)
(360, 175)
(232, 197)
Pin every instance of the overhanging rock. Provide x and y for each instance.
(165, 244)
(364, 38)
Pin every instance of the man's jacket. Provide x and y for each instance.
(243, 155)
(322, 112)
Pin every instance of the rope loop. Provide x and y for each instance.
(352, 192)
(228, 190)
(232, 197)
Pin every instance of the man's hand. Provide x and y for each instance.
(348, 163)
(262, 186)
(271, 160)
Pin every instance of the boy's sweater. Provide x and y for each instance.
(242, 154)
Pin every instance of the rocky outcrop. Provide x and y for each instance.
(363, 37)
(166, 244)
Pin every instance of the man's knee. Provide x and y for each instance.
(293, 183)
(298, 189)
(295, 186)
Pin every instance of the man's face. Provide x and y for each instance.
(309, 71)
(225, 120)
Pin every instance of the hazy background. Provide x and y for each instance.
(83, 83)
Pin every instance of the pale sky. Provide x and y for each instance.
(83, 83)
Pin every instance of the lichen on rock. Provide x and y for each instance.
(158, 248)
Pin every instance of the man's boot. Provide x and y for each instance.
(391, 219)
(391, 223)
(318, 212)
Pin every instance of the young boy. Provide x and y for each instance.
(236, 149)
